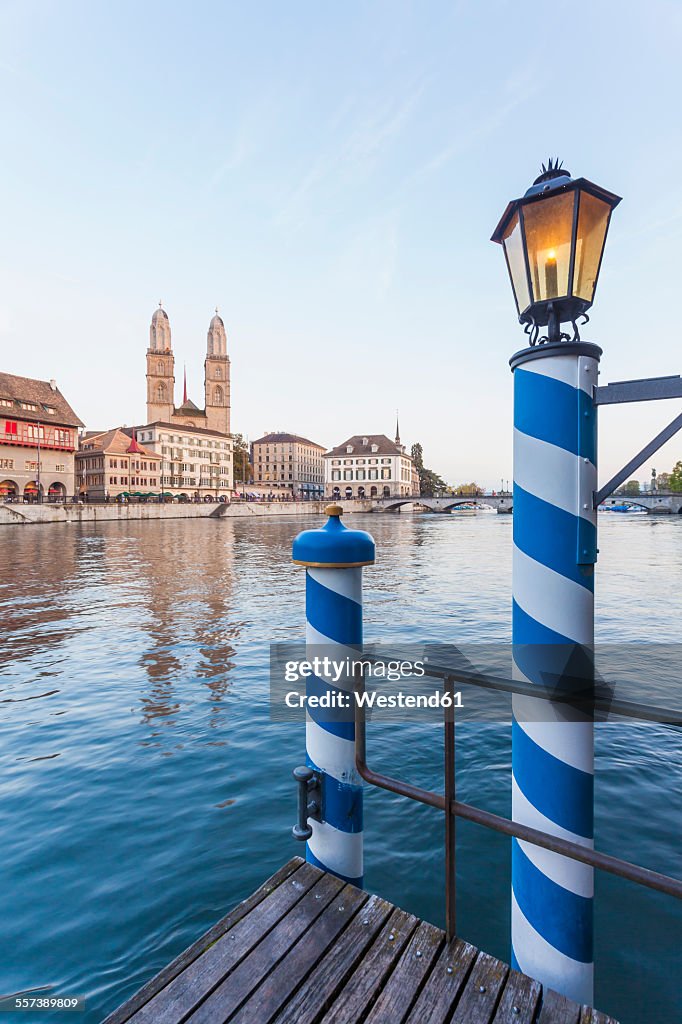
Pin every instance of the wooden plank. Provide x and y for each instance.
(400, 990)
(557, 1009)
(277, 987)
(590, 1016)
(160, 980)
(320, 989)
(444, 983)
(241, 982)
(189, 988)
(478, 1000)
(364, 985)
(519, 1001)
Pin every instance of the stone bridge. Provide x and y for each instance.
(663, 503)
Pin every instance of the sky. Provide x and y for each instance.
(328, 176)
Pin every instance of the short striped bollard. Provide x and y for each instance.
(334, 557)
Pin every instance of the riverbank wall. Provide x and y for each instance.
(33, 515)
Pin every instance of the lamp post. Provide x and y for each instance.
(553, 240)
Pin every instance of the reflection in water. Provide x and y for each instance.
(137, 742)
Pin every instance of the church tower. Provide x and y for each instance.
(217, 377)
(160, 369)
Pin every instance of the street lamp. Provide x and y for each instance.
(553, 240)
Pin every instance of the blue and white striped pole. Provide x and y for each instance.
(555, 548)
(334, 556)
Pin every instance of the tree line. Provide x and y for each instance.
(671, 481)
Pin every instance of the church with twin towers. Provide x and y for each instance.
(161, 408)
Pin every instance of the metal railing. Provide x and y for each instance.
(456, 809)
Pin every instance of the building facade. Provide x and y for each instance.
(195, 463)
(289, 464)
(38, 441)
(113, 464)
(369, 466)
(194, 444)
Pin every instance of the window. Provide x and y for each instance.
(385, 474)
(6, 403)
(218, 373)
(348, 474)
(217, 395)
(360, 475)
(349, 448)
(336, 474)
(161, 392)
(10, 428)
(29, 406)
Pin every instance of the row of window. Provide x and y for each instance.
(30, 465)
(9, 403)
(359, 462)
(162, 393)
(361, 474)
(194, 453)
(133, 481)
(217, 371)
(35, 433)
(198, 442)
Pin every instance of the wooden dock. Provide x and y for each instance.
(306, 948)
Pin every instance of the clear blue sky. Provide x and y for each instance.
(329, 176)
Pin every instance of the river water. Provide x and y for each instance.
(144, 789)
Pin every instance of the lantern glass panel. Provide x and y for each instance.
(512, 241)
(593, 220)
(549, 227)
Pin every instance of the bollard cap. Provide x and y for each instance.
(334, 546)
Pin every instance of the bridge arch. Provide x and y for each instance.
(624, 500)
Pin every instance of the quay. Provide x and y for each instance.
(307, 948)
(15, 514)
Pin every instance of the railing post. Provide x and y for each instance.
(334, 557)
(555, 531)
(450, 820)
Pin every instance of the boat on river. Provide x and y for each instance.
(624, 509)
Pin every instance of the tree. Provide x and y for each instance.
(630, 488)
(472, 488)
(240, 455)
(430, 484)
(675, 480)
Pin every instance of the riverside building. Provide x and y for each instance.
(289, 464)
(113, 464)
(38, 440)
(369, 466)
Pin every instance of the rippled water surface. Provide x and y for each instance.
(143, 789)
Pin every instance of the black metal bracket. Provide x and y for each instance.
(646, 389)
(309, 800)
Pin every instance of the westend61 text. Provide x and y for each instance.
(437, 699)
